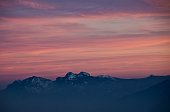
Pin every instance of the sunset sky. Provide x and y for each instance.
(122, 38)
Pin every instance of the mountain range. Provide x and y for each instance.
(85, 93)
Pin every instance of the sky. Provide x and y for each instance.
(122, 38)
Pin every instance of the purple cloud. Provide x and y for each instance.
(34, 8)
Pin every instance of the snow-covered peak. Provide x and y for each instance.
(107, 76)
(70, 76)
(35, 80)
(32, 84)
(83, 74)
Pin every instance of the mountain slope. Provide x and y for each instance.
(153, 99)
(31, 85)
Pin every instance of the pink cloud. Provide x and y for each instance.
(36, 5)
(159, 3)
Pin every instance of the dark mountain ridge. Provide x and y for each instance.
(86, 93)
(84, 80)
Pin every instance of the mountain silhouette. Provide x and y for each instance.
(86, 93)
